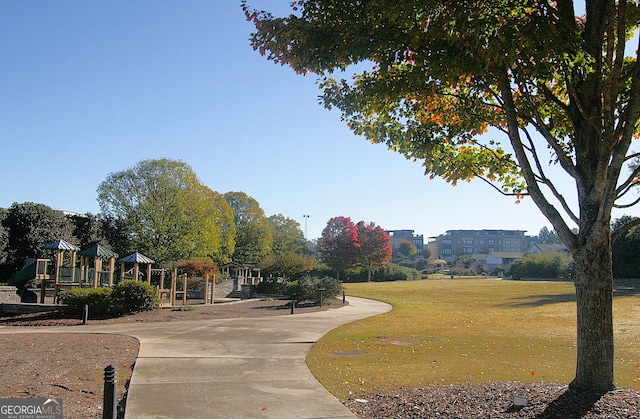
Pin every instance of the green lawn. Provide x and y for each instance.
(467, 330)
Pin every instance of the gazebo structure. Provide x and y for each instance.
(95, 256)
(136, 259)
(242, 274)
(63, 273)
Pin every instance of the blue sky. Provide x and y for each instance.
(91, 88)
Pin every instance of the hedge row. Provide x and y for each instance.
(306, 289)
(125, 298)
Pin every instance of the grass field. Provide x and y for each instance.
(468, 330)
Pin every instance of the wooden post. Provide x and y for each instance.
(136, 271)
(112, 268)
(184, 290)
(149, 274)
(174, 280)
(58, 265)
(82, 269)
(122, 271)
(213, 287)
(206, 289)
(96, 269)
(43, 288)
(74, 262)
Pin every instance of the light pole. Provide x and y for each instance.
(306, 218)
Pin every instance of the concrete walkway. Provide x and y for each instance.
(234, 368)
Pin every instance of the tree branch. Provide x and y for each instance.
(631, 156)
(503, 193)
(624, 187)
(564, 161)
(623, 229)
(621, 206)
(546, 181)
(552, 214)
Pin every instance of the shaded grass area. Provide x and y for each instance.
(458, 331)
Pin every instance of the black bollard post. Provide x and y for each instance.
(293, 306)
(85, 314)
(110, 397)
(344, 297)
(321, 295)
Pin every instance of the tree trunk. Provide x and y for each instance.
(594, 292)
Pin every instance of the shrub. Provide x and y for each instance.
(307, 289)
(133, 296)
(198, 267)
(548, 265)
(395, 272)
(98, 300)
(289, 265)
(391, 272)
(272, 286)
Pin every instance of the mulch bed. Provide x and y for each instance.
(495, 400)
(195, 311)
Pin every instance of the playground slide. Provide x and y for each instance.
(20, 279)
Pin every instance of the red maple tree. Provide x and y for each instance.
(375, 247)
(338, 245)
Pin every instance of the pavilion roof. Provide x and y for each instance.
(61, 245)
(136, 258)
(99, 251)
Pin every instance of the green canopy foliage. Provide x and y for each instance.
(547, 236)
(167, 213)
(547, 266)
(4, 238)
(290, 265)
(287, 235)
(626, 263)
(29, 226)
(407, 249)
(254, 238)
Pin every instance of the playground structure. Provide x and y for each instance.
(66, 266)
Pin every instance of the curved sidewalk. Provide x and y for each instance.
(234, 368)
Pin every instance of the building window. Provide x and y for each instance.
(446, 252)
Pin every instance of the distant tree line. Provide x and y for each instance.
(161, 209)
(158, 208)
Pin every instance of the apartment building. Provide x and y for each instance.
(396, 236)
(456, 243)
